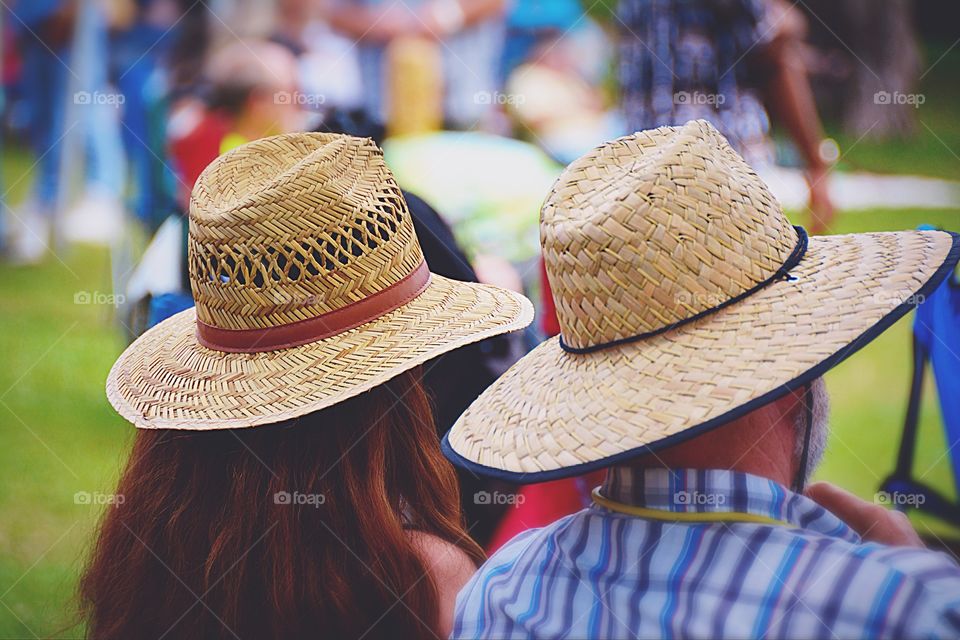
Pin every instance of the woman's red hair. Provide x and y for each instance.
(300, 529)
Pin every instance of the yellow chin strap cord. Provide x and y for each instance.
(682, 516)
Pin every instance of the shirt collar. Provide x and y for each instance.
(719, 491)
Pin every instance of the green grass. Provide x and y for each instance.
(934, 149)
(60, 434)
(62, 437)
(869, 396)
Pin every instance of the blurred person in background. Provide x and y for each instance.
(724, 61)
(556, 63)
(328, 68)
(256, 87)
(558, 99)
(249, 91)
(67, 103)
(467, 33)
(148, 36)
(530, 23)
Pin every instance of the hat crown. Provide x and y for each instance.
(291, 227)
(655, 228)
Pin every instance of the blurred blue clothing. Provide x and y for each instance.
(68, 81)
(686, 59)
(44, 86)
(937, 328)
(544, 14)
(529, 21)
(136, 57)
(98, 121)
(167, 304)
(30, 15)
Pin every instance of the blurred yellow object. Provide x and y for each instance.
(414, 85)
(231, 141)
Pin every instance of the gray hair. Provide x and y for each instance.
(819, 427)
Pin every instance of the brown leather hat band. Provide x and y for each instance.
(323, 326)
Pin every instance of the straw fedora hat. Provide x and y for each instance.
(685, 299)
(310, 288)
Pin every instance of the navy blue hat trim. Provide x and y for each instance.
(515, 477)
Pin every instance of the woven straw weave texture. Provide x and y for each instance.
(654, 228)
(282, 230)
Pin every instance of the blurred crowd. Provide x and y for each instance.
(477, 103)
(124, 102)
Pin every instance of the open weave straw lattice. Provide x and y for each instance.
(283, 230)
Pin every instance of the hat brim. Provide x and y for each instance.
(556, 414)
(167, 380)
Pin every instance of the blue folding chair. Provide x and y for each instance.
(936, 340)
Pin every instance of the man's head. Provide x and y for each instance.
(683, 294)
(255, 83)
(769, 441)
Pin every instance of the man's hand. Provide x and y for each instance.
(873, 522)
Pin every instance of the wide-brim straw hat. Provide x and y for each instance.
(685, 300)
(310, 288)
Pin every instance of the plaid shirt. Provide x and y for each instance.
(706, 554)
(686, 59)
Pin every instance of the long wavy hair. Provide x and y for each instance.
(300, 529)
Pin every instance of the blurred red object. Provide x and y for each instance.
(540, 504)
(548, 323)
(11, 63)
(196, 144)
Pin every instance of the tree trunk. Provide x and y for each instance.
(882, 98)
(877, 79)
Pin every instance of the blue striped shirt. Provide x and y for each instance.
(706, 554)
